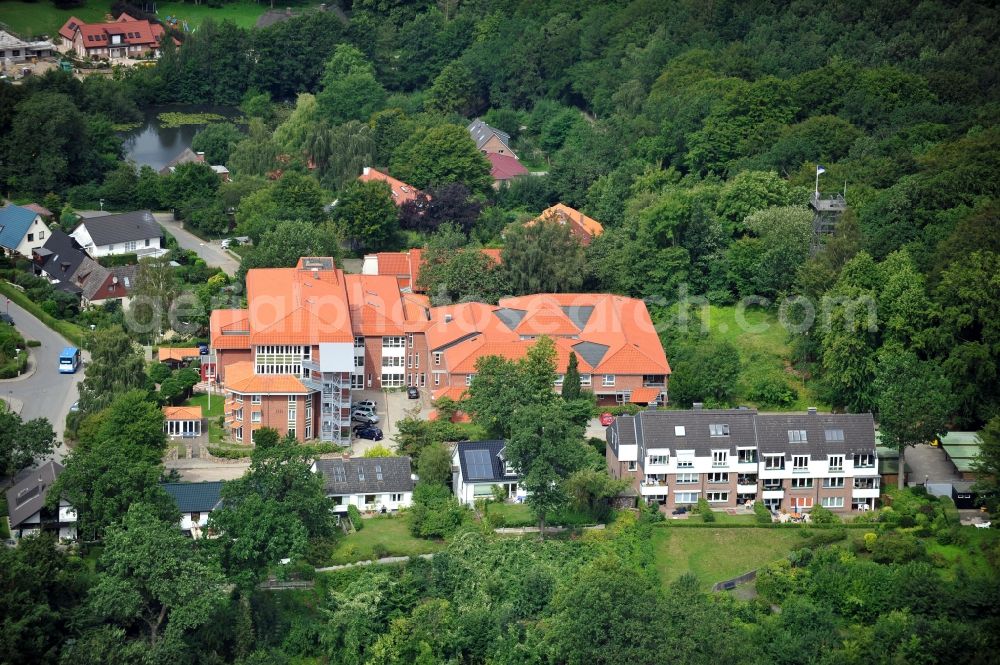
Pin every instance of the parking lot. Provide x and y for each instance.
(391, 407)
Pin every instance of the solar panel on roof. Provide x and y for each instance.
(479, 464)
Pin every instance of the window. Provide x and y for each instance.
(130, 246)
(718, 430)
(866, 483)
(678, 430)
(396, 498)
(746, 456)
(832, 502)
(720, 457)
(864, 461)
(833, 435)
(797, 436)
(802, 483)
(370, 499)
(238, 433)
(255, 416)
(609, 380)
(437, 378)
(437, 357)
(409, 360)
(774, 462)
(378, 472)
(255, 399)
(468, 379)
(195, 517)
(423, 379)
(718, 477)
(836, 462)
(280, 358)
(393, 342)
(359, 361)
(31, 237)
(800, 463)
(238, 414)
(717, 497)
(147, 242)
(686, 497)
(41, 235)
(393, 380)
(686, 461)
(359, 342)
(559, 379)
(585, 379)
(392, 361)
(686, 478)
(416, 360)
(659, 459)
(799, 502)
(832, 483)
(773, 484)
(631, 466)
(409, 340)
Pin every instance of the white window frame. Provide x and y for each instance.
(834, 483)
(255, 416)
(720, 458)
(832, 502)
(717, 497)
(686, 479)
(800, 468)
(608, 380)
(658, 459)
(718, 429)
(255, 399)
(586, 379)
(802, 483)
(437, 358)
(833, 465)
(685, 497)
(718, 477)
(679, 430)
(798, 436)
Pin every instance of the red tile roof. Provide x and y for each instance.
(167, 353)
(405, 266)
(583, 227)
(505, 167)
(401, 192)
(133, 32)
(182, 412)
(240, 378)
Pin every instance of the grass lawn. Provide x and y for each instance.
(715, 555)
(519, 514)
(971, 557)
(393, 533)
(30, 19)
(725, 518)
(242, 13)
(215, 432)
(763, 344)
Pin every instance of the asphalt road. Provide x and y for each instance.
(45, 393)
(210, 251)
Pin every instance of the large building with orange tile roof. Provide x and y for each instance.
(311, 335)
(583, 227)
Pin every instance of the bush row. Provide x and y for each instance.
(228, 453)
(684, 524)
(70, 331)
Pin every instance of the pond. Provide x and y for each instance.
(154, 144)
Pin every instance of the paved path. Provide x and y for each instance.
(210, 250)
(200, 469)
(44, 393)
(929, 464)
(376, 562)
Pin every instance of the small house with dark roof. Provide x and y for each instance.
(26, 509)
(372, 484)
(195, 501)
(127, 233)
(22, 231)
(504, 168)
(58, 260)
(490, 139)
(478, 467)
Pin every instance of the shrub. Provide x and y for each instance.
(896, 548)
(34, 343)
(763, 515)
(379, 551)
(435, 513)
(705, 510)
(819, 537)
(821, 515)
(870, 540)
(771, 390)
(228, 453)
(159, 372)
(355, 516)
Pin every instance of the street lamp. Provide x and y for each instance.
(102, 205)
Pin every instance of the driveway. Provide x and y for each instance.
(392, 407)
(928, 463)
(43, 392)
(209, 250)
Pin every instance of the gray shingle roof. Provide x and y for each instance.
(113, 229)
(61, 257)
(467, 454)
(481, 133)
(366, 475)
(195, 497)
(510, 317)
(27, 496)
(591, 352)
(747, 428)
(578, 314)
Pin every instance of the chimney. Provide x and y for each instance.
(315, 272)
(447, 318)
(697, 406)
(366, 170)
(812, 410)
(288, 11)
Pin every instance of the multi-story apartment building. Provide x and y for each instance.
(732, 456)
(312, 334)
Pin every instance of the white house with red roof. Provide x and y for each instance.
(126, 37)
(401, 192)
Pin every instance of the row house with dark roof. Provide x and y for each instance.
(732, 457)
(371, 484)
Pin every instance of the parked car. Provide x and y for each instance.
(203, 348)
(412, 393)
(6, 318)
(364, 416)
(74, 407)
(366, 403)
(607, 419)
(680, 511)
(368, 432)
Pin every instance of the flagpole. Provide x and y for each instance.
(817, 181)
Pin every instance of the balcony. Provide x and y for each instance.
(746, 479)
(872, 493)
(653, 490)
(654, 381)
(746, 488)
(773, 494)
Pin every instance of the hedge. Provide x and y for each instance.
(684, 524)
(15, 367)
(70, 331)
(355, 516)
(33, 343)
(229, 453)
(117, 260)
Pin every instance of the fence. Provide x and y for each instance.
(735, 582)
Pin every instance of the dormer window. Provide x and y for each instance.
(718, 430)
(797, 436)
(834, 435)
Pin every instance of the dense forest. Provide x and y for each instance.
(693, 131)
